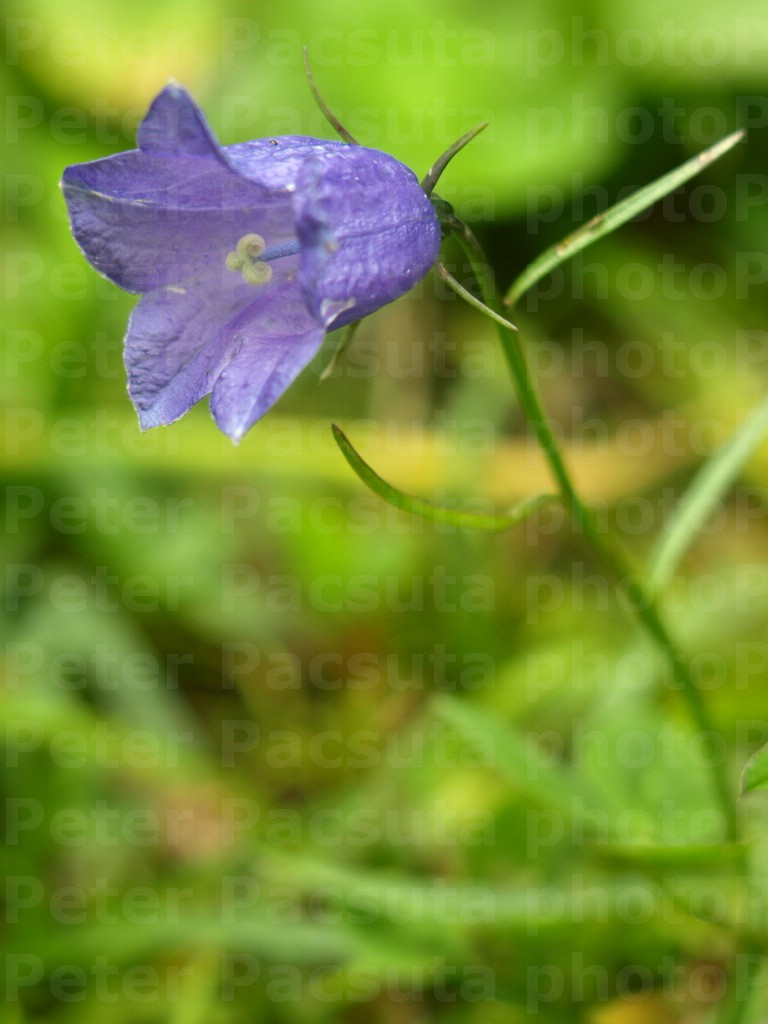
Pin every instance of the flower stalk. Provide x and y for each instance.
(605, 547)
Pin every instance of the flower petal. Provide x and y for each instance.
(275, 162)
(153, 216)
(177, 343)
(274, 348)
(175, 125)
(368, 232)
(181, 343)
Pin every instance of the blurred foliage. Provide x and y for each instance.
(276, 752)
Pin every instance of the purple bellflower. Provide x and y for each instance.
(245, 255)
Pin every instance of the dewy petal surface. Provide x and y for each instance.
(367, 230)
(275, 163)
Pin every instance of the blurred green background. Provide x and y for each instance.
(276, 752)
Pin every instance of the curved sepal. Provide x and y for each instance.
(431, 510)
(472, 300)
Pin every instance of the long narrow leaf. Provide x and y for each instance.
(303, 942)
(429, 509)
(617, 215)
(412, 901)
(706, 490)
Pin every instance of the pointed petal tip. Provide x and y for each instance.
(152, 416)
(175, 124)
(233, 424)
(176, 91)
(146, 420)
(68, 175)
(234, 429)
(173, 87)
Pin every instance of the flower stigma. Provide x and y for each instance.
(251, 257)
(245, 258)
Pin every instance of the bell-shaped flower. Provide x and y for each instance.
(245, 255)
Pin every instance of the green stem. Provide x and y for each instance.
(609, 553)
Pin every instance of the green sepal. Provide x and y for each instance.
(429, 509)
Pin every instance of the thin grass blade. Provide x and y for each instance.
(617, 215)
(706, 490)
